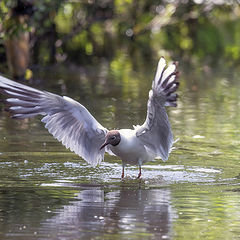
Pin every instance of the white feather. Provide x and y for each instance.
(67, 120)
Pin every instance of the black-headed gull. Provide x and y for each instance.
(73, 125)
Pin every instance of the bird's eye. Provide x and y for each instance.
(113, 137)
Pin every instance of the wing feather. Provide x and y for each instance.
(156, 133)
(67, 120)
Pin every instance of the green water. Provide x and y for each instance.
(47, 192)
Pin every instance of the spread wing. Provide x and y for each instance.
(156, 133)
(67, 120)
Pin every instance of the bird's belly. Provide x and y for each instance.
(134, 154)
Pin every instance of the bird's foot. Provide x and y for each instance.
(139, 175)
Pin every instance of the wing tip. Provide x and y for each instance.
(166, 81)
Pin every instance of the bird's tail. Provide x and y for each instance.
(166, 82)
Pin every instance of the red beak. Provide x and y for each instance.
(104, 145)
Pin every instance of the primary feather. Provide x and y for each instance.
(67, 120)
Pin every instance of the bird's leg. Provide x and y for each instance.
(122, 171)
(140, 172)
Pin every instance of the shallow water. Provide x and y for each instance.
(47, 192)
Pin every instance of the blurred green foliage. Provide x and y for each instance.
(81, 31)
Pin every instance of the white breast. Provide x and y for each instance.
(130, 149)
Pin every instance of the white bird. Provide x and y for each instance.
(73, 125)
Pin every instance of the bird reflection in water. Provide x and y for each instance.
(126, 211)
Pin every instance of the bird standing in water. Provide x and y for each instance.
(73, 125)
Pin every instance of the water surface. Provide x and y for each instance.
(47, 192)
